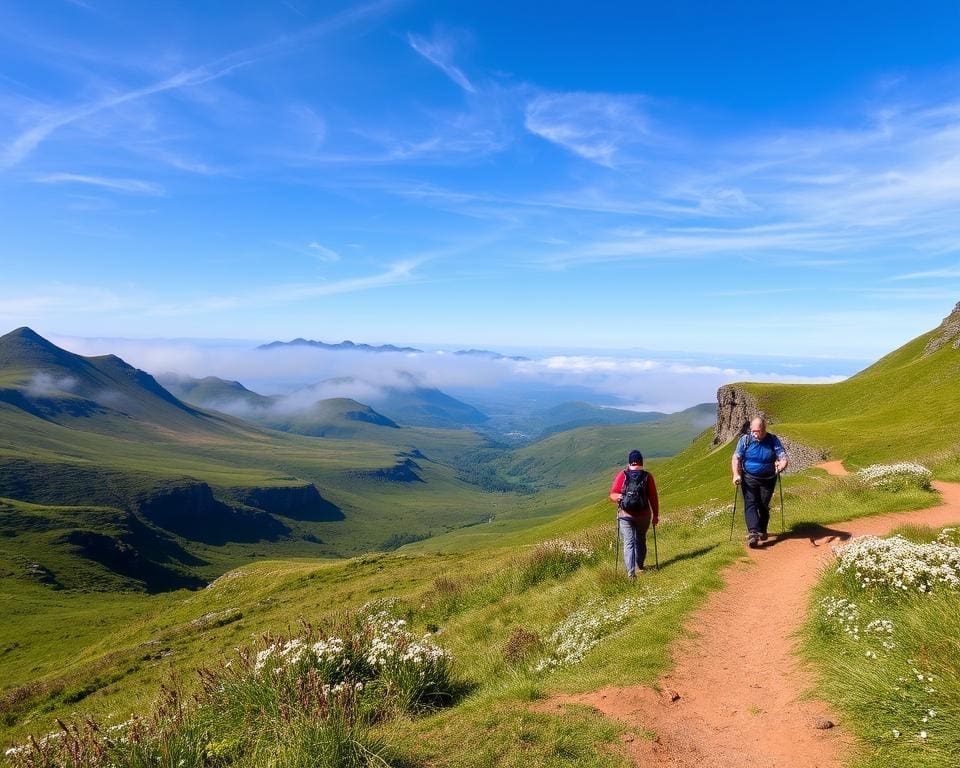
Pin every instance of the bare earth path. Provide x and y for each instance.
(738, 682)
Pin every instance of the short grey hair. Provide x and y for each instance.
(761, 419)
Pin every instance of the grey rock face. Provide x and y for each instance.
(947, 333)
(735, 408)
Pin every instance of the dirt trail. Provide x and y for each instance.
(733, 698)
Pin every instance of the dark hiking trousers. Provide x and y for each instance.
(757, 492)
(633, 530)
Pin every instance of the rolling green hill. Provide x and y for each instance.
(216, 394)
(904, 405)
(339, 417)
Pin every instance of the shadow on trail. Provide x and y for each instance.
(682, 556)
(818, 535)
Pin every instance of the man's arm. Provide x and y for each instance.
(735, 464)
(782, 459)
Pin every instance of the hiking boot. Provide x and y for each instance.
(763, 536)
(753, 540)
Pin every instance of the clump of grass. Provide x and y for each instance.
(305, 700)
(521, 645)
(889, 656)
(554, 559)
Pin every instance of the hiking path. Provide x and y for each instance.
(735, 695)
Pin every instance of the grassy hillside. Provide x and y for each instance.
(904, 405)
(215, 488)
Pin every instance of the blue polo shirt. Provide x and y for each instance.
(758, 456)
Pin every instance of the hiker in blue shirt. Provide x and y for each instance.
(757, 460)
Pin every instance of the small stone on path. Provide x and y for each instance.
(822, 724)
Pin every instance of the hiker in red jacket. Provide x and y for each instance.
(635, 494)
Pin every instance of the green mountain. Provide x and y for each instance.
(101, 394)
(339, 417)
(78, 433)
(216, 394)
(409, 404)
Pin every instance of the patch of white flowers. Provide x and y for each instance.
(390, 641)
(899, 564)
(385, 641)
(582, 630)
(896, 476)
(712, 514)
(843, 612)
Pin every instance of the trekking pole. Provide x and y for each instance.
(656, 555)
(780, 480)
(733, 515)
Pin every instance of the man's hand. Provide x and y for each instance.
(736, 479)
(780, 465)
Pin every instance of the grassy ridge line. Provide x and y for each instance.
(903, 406)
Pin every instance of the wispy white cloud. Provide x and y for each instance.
(132, 186)
(439, 51)
(272, 295)
(930, 274)
(397, 273)
(595, 126)
(323, 253)
(24, 144)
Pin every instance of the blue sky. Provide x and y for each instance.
(730, 178)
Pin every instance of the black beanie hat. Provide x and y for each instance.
(635, 458)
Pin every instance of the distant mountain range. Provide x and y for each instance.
(326, 409)
(351, 346)
(343, 345)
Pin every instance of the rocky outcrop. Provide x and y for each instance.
(299, 502)
(801, 456)
(947, 333)
(735, 408)
(192, 511)
(404, 471)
